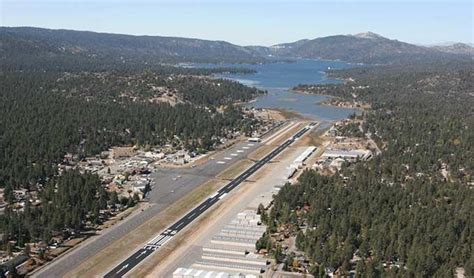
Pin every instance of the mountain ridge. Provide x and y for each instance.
(456, 48)
(367, 48)
(21, 45)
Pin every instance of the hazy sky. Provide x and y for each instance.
(251, 22)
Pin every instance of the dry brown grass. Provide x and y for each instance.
(288, 114)
(312, 139)
(235, 169)
(122, 215)
(280, 138)
(260, 152)
(275, 115)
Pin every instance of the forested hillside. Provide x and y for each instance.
(150, 87)
(46, 115)
(25, 47)
(367, 48)
(408, 212)
(37, 49)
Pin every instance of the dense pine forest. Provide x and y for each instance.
(68, 201)
(408, 212)
(48, 113)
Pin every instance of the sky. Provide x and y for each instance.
(257, 22)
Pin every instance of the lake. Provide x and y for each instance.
(279, 78)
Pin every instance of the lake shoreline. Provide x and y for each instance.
(279, 81)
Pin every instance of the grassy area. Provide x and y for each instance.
(260, 152)
(312, 139)
(288, 114)
(119, 217)
(109, 256)
(236, 169)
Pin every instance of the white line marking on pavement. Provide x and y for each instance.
(141, 254)
(227, 158)
(250, 145)
(220, 162)
(245, 148)
(222, 196)
(240, 151)
(233, 154)
(123, 268)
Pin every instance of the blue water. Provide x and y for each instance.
(279, 78)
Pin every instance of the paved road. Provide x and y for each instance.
(169, 186)
(161, 239)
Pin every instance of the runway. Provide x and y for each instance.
(168, 187)
(161, 239)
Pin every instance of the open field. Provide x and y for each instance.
(312, 139)
(288, 114)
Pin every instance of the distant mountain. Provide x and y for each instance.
(369, 35)
(456, 48)
(23, 43)
(28, 48)
(367, 48)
